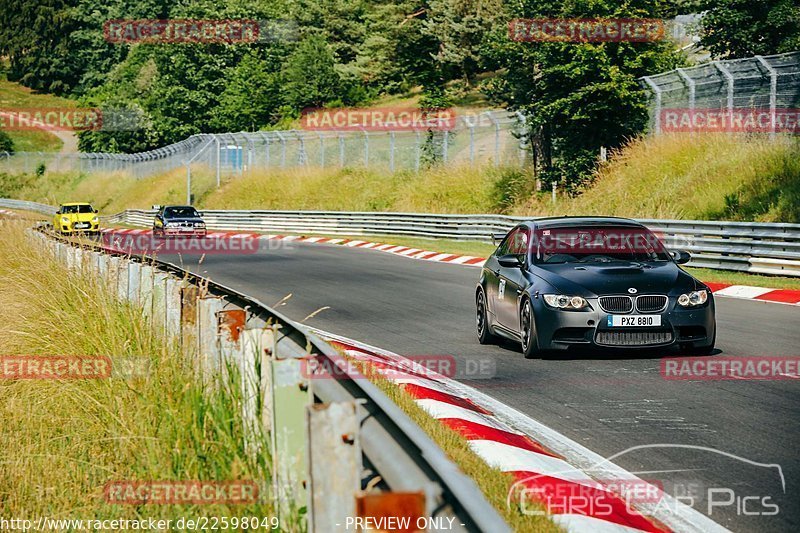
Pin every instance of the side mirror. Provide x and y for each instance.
(95, 211)
(509, 261)
(58, 211)
(681, 256)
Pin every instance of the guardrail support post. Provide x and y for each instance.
(173, 301)
(146, 285)
(189, 297)
(134, 281)
(207, 337)
(290, 396)
(123, 277)
(334, 458)
(159, 301)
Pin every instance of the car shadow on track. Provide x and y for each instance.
(595, 353)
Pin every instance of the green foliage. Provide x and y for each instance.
(310, 78)
(6, 144)
(744, 28)
(577, 97)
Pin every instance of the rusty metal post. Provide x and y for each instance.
(334, 460)
(230, 324)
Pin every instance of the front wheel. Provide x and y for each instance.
(481, 320)
(527, 331)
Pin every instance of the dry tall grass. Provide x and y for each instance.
(63, 440)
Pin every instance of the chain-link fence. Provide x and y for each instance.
(769, 83)
(490, 137)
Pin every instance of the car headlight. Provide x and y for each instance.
(562, 301)
(64, 219)
(199, 224)
(171, 224)
(693, 299)
(95, 220)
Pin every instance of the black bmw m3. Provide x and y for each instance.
(554, 283)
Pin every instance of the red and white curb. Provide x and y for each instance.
(539, 459)
(763, 294)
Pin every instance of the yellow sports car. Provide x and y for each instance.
(76, 217)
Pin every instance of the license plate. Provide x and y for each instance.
(81, 225)
(635, 321)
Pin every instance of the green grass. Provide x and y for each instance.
(15, 96)
(63, 440)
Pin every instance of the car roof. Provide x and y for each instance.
(562, 222)
(179, 206)
(76, 203)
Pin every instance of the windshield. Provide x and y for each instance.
(71, 209)
(181, 212)
(597, 245)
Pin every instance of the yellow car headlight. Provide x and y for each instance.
(64, 219)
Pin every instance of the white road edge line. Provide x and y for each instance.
(674, 514)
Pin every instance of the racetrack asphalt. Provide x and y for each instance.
(608, 402)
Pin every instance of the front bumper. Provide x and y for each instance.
(79, 227)
(560, 330)
(185, 232)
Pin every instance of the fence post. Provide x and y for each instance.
(657, 115)
(417, 149)
(690, 84)
(391, 151)
(366, 148)
(773, 94)
(334, 458)
(731, 80)
(341, 150)
(188, 184)
(218, 161)
(445, 145)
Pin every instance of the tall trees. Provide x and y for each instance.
(578, 97)
(743, 28)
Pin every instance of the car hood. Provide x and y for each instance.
(79, 217)
(183, 219)
(616, 278)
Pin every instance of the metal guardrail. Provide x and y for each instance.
(393, 446)
(758, 248)
(27, 206)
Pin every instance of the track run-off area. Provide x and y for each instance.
(726, 447)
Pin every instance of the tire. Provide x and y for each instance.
(482, 329)
(527, 331)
